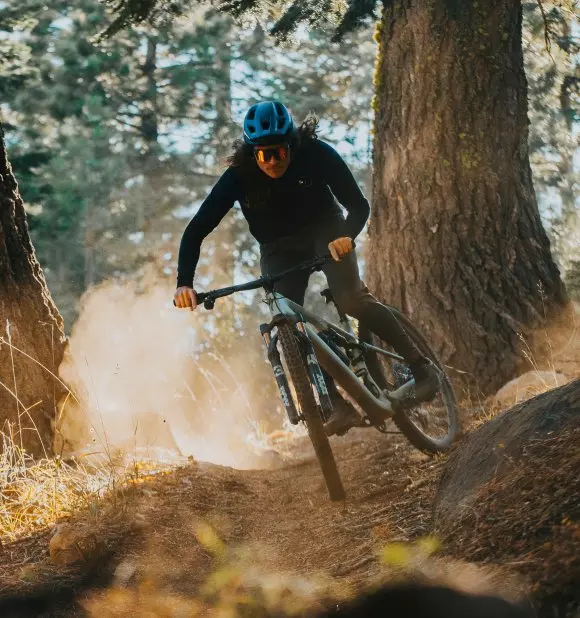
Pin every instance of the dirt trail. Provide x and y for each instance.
(282, 515)
(286, 511)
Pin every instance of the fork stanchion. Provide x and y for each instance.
(279, 373)
(315, 372)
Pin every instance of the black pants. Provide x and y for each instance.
(350, 294)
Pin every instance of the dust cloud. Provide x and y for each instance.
(138, 387)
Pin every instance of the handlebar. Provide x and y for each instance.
(265, 281)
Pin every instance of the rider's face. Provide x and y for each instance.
(273, 160)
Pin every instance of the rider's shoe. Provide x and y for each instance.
(427, 379)
(342, 418)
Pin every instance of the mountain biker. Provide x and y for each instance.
(291, 186)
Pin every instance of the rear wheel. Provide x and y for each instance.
(431, 426)
(310, 410)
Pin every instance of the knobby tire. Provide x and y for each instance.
(298, 374)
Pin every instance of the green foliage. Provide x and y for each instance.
(289, 16)
(88, 129)
(113, 155)
(356, 17)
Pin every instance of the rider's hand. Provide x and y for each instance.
(185, 297)
(340, 247)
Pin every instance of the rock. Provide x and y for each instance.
(510, 494)
(489, 451)
(528, 385)
(125, 573)
(69, 545)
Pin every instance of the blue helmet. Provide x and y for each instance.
(266, 123)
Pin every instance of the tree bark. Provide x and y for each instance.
(225, 242)
(456, 239)
(30, 325)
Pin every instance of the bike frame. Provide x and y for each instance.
(376, 408)
(379, 408)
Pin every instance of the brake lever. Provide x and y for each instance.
(205, 299)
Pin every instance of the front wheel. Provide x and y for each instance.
(431, 426)
(305, 396)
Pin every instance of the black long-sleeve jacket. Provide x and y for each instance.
(316, 183)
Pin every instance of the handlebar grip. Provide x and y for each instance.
(200, 296)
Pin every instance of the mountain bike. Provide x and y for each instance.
(366, 368)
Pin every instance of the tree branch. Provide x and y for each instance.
(353, 19)
(127, 124)
(546, 26)
(300, 11)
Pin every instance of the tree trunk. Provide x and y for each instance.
(89, 247)
(225, 242)
(456, 239)
(149, 160)
(570, 217)
(30, 322)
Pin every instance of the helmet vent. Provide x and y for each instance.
(268, 122)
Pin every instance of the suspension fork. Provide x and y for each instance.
(312, 365)
(314, 370)
(271, 342)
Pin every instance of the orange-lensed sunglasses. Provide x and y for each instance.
(265, 153)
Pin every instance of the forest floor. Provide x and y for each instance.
(180, 537)
(281, 516)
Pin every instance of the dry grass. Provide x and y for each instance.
(530, 518)
(551, 351)
(37, 493)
